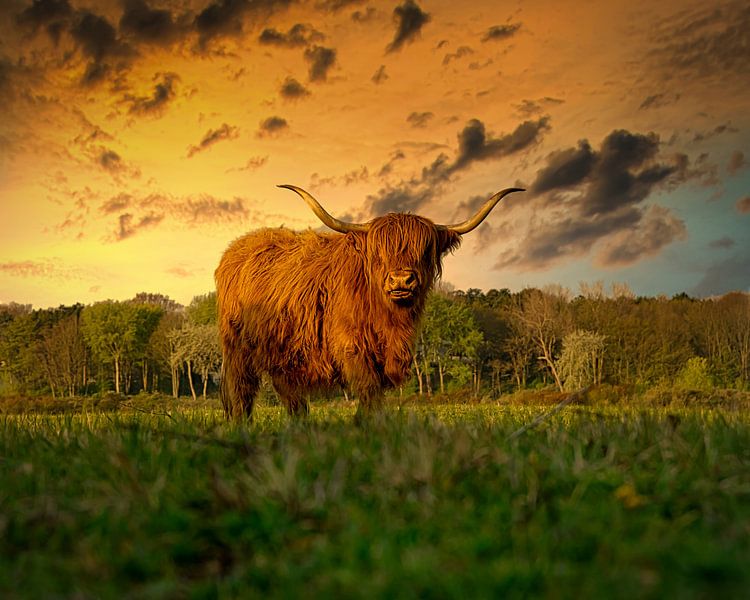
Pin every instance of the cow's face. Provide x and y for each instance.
(404, 254)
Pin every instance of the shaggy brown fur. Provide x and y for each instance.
(318, 310)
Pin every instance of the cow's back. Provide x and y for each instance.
(272, 285)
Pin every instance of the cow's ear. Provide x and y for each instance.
(449, 240)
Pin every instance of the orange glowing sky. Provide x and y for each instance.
(139, 137)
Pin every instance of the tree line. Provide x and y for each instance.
(148, 343)
(489, 342)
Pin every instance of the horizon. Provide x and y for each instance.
(140, 137)
(570, 294)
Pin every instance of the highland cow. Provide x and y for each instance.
(320, 311)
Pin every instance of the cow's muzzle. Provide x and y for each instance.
(401, 285)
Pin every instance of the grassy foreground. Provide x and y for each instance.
(429, 502)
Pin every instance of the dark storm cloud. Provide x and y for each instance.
(272, 126)
(710, 42)
(298, 36)
(150, 25)
(586, 199)
(399, 199)
(224, 18)
(419, 119)
(213, 136)
(6, 70)
(565, 168)
(725, 276)
(564, 237)
(657, 228)
(743, 205)
(220, 18)
(409, 19)
(321, 61)
(501, 32)
(380, 75)
(615, 181)
(474, 145)
(620, 173)
(164, 93)
(51, 14)
(292, 89)
(97, 39)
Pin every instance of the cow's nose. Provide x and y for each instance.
(403, 279)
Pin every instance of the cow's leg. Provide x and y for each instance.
(294, 399)
(359, 374)
(239, 385)
(370, 403)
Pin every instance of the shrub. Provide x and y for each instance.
(695, 375)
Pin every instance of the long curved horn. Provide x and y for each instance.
(481, 215)
(323, 215)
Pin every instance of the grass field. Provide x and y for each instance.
(431, 501)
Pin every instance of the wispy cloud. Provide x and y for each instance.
(164, 92)
(134, 215)
(737, 162)
(253, 163)
(298, 36)
(501, 32)
(213, 136)
(130, 225)
(380, 76)
(460, 52)
(722, 243)
(704, 43)
(419, 119)
(51, 268)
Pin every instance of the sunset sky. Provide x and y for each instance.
(139, 137)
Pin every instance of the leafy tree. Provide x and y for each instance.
(202, 310)
(63, 353)
(450, 337)
(545, 317)
(118, 332)
(581, 360)
(164, 348)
